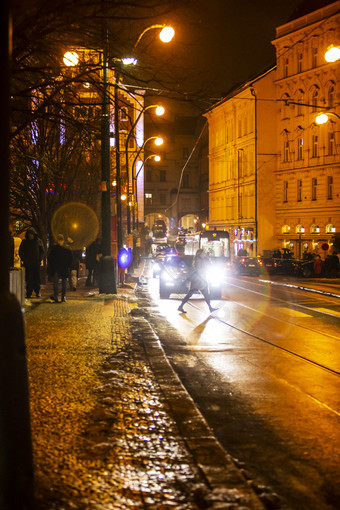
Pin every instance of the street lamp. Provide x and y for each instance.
(166, 34)
(71, 59)
(332, 54)
(157, 141)
(159, 110)
(156, 158)
(322, 117)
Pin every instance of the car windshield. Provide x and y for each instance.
(175, 262)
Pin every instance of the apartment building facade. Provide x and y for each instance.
(308, 172)
(242, 164)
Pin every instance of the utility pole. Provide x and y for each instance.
(107, 279)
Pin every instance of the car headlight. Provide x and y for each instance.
(167, 277)
(213, 275)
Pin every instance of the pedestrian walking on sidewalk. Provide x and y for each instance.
(198, 281)
(92, 257)
(76, 258)
(31, 252)
(59, 266)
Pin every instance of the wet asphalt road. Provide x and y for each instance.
(265, 373)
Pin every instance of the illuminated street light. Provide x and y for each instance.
(71, 58)
(159, 110)
(156, 158)
(167, 34)
(159, 141)
(332, 54)
(322, 117)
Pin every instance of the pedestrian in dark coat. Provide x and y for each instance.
(31, 252)
(198, 281)
(59, 265)
(92, 262)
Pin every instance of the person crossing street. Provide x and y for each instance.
(198, 281)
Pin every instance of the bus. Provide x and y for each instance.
(215, 243)
(159, 229)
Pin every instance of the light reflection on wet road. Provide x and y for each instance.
(275, 408)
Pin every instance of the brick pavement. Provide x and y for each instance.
(112, 425)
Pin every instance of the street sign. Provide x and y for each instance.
(325, 246)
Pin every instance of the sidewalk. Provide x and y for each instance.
(113, 428)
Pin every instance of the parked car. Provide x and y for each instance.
(249, 266)
(305, 268)
(283, 266)
(175, 275)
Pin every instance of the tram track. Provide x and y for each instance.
(280, 347)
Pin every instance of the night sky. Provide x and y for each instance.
(224, 42)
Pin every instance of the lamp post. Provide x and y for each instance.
(71, 59)
(158, 142)
(159, 110)
(156, 158)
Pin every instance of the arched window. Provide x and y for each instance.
(330, 96)
(315, 94)
(285, 229)
(299, 99)
(315, 229)
(330, 228)
(285, 108)
(299, 229)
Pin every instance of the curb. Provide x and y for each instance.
(217, 467)
(302, 287)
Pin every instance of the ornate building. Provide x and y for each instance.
(308, 172)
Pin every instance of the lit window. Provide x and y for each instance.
(299, 229)
(330, 228)
(300, 149)
(148, 198)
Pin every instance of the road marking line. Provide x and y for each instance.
(329, 311)
(292, 313)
